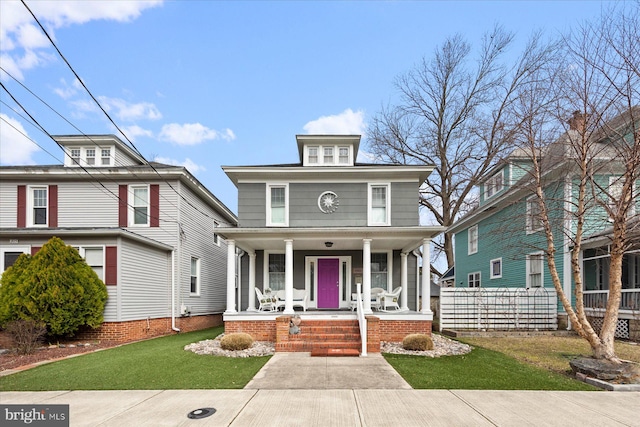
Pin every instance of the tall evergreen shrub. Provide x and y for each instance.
(55, 287)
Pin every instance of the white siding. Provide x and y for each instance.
(145, 288)
(87, 204)
(8, 204)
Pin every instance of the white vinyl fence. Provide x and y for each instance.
(498, 309)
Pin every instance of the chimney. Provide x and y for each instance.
(577, 122)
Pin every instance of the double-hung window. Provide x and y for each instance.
(473, 280)
(534, 220)
(275, 271)
(94, 257)
(194, 288)
(472, 240)
(140, 204)
(379, 270)
(277, 205)
(38, 200)
(343, 155)
(313, 155)
(494, 185)
(495, 267)
(379, 204)
(90, 156)
(105, 157)
(75, 156)
(328, 155)
(534, 270)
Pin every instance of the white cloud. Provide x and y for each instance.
(192, 133)
(66, 90)
(20, 37)
(127, 111)
(16, 148)
(346, 123)
(134, 131)
(187, 163)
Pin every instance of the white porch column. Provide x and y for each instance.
(403, 282)
(288, 277)
(426, 277)
(231, 277)
(252, 281)
(366, 275)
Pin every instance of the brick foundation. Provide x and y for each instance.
(277, 331)
(135, 330)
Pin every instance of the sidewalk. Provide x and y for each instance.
(372, 408)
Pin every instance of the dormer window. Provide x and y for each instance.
(75, 156)
(90, 157)
(343, 155)
(328, 155)
(313, 155)
(105, 157)
(494, 185)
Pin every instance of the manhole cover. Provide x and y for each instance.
(201, 413)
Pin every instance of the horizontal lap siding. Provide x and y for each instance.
(145, 288)
(304, 210)
(197, 226)
(251, 205)
(404, 204)
(87, 204)
(9, 205)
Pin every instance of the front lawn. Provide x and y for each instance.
(481, 369)
(156, 364)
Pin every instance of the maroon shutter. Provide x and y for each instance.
(35, 249)
(111, 265)
(122, 205)
(154, 220)
(53, 206)
(22, 206)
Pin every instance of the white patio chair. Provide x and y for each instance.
(390, 299)
(267, 302)
(375, 298)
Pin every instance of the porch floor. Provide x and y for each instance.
(315, 314)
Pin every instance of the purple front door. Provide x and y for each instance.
(328, 283)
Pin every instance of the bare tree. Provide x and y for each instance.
(600, 83)
(454, 113)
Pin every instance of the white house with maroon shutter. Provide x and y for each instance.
(149, 230)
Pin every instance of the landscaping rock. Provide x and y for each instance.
(605, 370)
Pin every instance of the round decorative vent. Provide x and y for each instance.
(328, 202)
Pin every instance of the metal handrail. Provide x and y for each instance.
(362, 321)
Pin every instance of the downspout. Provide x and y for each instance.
(417, 254)
(173, 291)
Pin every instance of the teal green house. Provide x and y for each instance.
(501, 242)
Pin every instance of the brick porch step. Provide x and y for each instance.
(335, 352)
(338, 337)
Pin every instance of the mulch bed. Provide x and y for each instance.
(12, 360)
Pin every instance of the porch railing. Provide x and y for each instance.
(362, 321)
(498, 308)
(629, 299)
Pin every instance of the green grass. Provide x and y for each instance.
(481, 369)
(160, 364)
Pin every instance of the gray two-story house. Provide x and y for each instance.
(149, 230)
(313, 230)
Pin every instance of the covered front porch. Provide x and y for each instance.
(326, 266)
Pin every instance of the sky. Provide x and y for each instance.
(206, 84)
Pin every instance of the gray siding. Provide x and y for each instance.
(304, 211)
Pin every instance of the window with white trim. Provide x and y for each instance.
(277, 204)
(139, 204)
(216, 237)
(494, 185)
(105, 157)
(90, 156)
(94, 257)
(343, 155)
(472, 240)
(275, 271)
(328, 155)
(616, 184)
(380, 270)
(379, 204)
(535, 268)
(194, 288)
(38, 206)
(495, 267)
(473, 280)
(313, 155)
(75, 156)
(9, 255)
(534, 215)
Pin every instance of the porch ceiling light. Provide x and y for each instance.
(328, 244)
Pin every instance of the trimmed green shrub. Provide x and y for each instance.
(417, 342)
(54, 287)
(236, 341)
